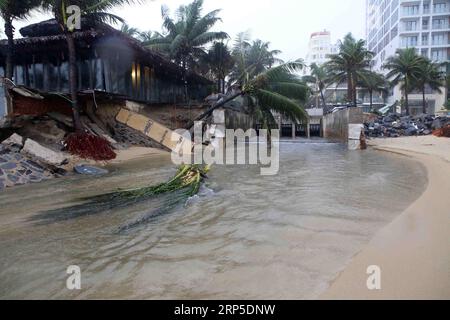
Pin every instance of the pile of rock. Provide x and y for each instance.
(394, 126)
(23, 162)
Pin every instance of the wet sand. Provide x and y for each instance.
(135, 153)
(413, 252)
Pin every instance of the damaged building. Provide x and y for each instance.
(111, 66)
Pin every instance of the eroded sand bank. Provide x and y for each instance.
(413, 252)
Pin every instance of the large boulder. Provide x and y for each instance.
(44, 154)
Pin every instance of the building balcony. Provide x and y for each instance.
(442, 12)
(443, 26)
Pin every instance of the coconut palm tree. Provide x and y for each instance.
(252, 58)
(275, 90)
(261, 57)
(430, 77)
(404, 67)
(94, 10)
(219, 63)
(319, 78)
(147, 36)
(373, 82)
(9, 11)
(186, 36)
(348, 65)
(128, 30)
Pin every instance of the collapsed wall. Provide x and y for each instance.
(345, 125)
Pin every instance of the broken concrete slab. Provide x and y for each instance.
(14, 140)
(42, 153)
(155, 131)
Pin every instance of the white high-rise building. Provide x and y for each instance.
(319, 48)
(399, 24)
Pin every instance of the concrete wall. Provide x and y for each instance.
(3, 109)
(343, 125)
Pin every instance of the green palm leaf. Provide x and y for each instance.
(281, 104)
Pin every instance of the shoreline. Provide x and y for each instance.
(413, 251)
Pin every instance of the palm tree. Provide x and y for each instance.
(9, 11)
(430, 76)
(318, 78)
(95, 10)
(147, 36)
(348, 65)
(219, 62)
(132, 32)
(261, 57)
(185, 38)
(373, 82)
(275, 90)
(252, 58)
(404, 68)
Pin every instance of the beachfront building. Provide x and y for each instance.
(320, 47)
(420, 24)
(109, 62)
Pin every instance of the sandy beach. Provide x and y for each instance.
(413, 252)
(135, 153)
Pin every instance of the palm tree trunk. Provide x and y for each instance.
(184, 66)
(354, 91)
(9, 31)
(371, 100)
(323, 99)
(209, 112)
(349, 88)
(73, 81)
(424, 101)
(406, 97)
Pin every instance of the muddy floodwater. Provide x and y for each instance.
(246, 236)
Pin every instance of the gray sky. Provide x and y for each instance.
(287, 24)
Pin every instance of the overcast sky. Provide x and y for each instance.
(287, 24)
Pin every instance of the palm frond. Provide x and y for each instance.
(104, 17)
(281, 104)
(280, 72)
(291, 90)
(208, 37)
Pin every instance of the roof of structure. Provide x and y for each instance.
(40, 35)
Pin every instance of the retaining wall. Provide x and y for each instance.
(344, 125)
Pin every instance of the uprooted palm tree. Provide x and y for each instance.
(93, 10)
(348, 64)
(431, 77)
(9, 11)
(373, 82)
(319, 79)
(185, 37)
(404, 67)
(275, 90)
